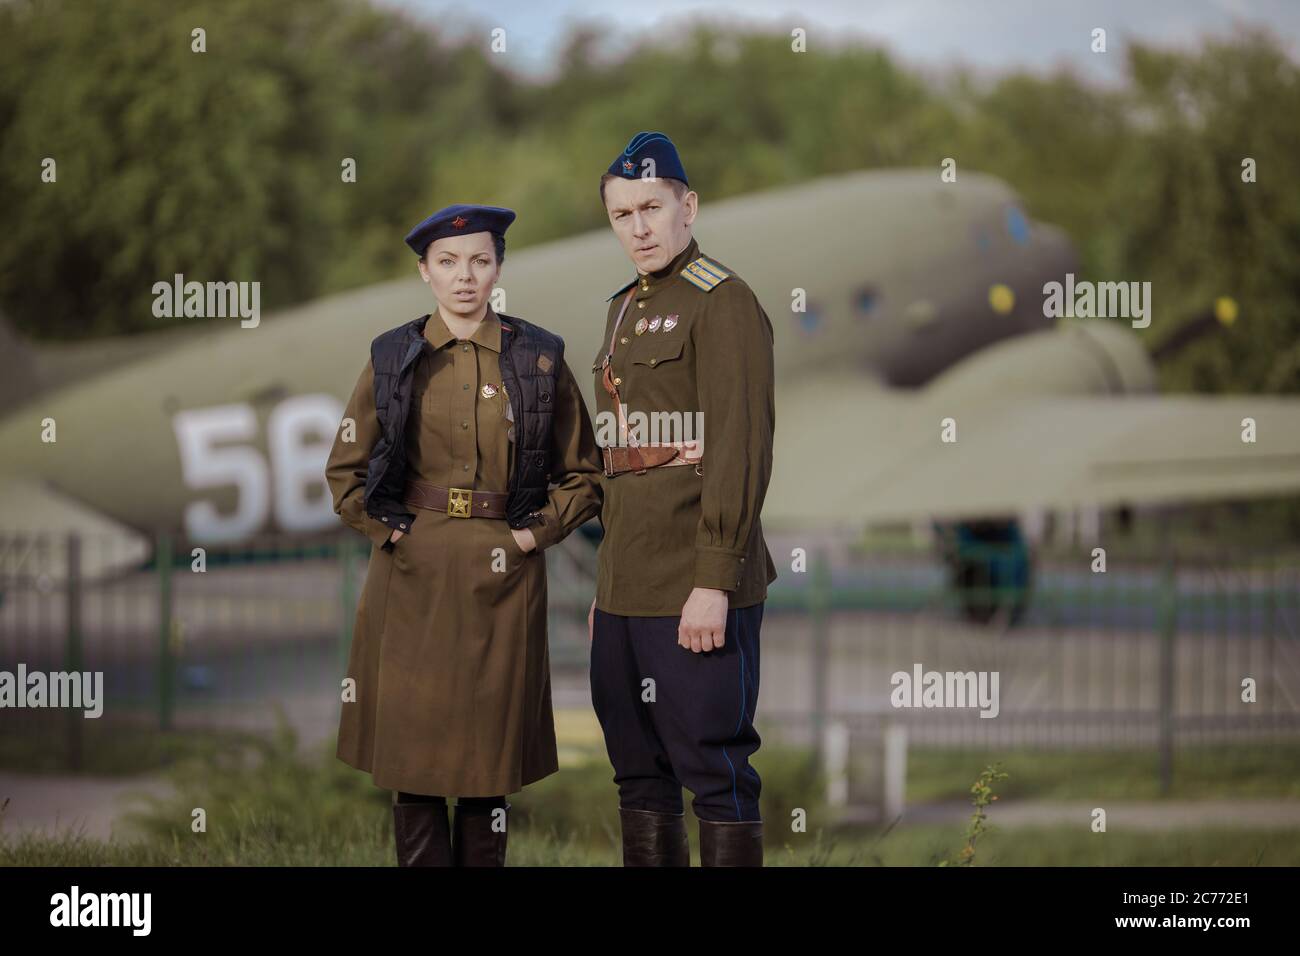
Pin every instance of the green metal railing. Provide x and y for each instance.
(1156, 642)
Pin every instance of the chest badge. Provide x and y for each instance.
(641, 325)
(670, 323)
(489, 390)
(654, 324)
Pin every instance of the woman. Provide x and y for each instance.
(463, 419)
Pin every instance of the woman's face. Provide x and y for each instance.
(461, 270)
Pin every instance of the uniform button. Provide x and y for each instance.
(640, 305)
(402, 526)
(623, 340)
(618, 381)
(652, 361)
(645, 284)
(464, 424)
(384, 518)
(545, 396)
(464, 467)
(541, 462)
(466, 385)
(464, 348)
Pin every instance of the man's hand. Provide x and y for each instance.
(704, 620)
(591, 622)
(524, 538)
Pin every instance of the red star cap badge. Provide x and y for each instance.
(460, 222)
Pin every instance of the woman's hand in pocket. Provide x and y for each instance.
(396, 536)
(524, 539)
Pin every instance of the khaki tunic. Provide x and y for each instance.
(698, 350)
(449, 651)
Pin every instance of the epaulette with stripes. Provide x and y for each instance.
(704, 274)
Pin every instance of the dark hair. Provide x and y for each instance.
(498, 247)
(678, 187)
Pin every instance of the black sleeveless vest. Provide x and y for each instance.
(530, 360)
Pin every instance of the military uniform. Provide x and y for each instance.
(690, 346)
(450, 655)
(689, 338)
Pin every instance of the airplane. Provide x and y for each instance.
(905, 310)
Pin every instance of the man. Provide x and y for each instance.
(683, 567)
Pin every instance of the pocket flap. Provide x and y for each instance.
(664, 351)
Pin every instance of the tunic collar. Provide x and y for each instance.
(650, 283)
(487, 334)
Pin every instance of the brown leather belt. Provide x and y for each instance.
(457, 502)
(620, 459)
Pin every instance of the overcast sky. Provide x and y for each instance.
(989, 35)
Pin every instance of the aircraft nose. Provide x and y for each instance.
(1054, 249)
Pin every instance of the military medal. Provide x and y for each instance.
(654, 324)
(670, 323)
(489, 390)
(641, 325)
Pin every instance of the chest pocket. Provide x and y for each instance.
(655, 353)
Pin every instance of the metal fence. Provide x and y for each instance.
(1155, 652)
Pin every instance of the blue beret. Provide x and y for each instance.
(458, 220)
(654, 146)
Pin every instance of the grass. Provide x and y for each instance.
(266, 803)
(1240, 771)
(1249, 770)
(109, 748)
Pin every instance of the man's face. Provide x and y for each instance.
(652, 224)
(461, 270)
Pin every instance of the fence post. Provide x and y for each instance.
(837, 749)
(73, 652)
(166, 661)
(818, 607)
(1168, 628)
(894, 770)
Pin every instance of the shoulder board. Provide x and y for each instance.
(704, 273)
(624, 289)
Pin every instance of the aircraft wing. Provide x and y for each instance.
(852, 454)
(36, 521)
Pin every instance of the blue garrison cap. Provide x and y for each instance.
(653, 146)
(458, 220)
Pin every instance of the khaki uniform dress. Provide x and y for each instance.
(449, 652)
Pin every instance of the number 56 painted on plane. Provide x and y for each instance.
(218, 449)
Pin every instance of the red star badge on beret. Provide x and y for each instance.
(628, 166)
(460, 222)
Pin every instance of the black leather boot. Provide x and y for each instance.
(421, 833)
(654, 839)
(473, 841)
(731, 844)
